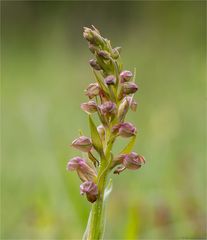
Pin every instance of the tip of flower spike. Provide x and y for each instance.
(95, 29)
(92, 35)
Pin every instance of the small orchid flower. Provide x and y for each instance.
(92, 90)
(83, 144)
(84, 170)
(89, 107)
(125, 76)
(124, 129)
(90, 189)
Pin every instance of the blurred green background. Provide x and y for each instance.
(44, 71)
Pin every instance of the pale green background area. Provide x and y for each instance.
(44, 72)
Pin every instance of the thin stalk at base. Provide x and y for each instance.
(97, 219)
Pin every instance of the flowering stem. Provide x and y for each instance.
(113, 92)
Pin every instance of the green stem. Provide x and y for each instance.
(97, 218)
(96, 225)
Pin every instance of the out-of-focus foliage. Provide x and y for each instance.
(44, 71)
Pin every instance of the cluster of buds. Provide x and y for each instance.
(110, 97)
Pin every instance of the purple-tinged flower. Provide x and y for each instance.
(108, 108)
(125, 76)
(89, 107)
(104, 54)
(129, 87)
(110, 80)
(90, 189)
(124, 129)
(133, 161)
(92, 90)
(94, 64)
(84, 170)
(82, 143)
(123, 108)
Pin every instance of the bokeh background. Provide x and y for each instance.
(44, 71)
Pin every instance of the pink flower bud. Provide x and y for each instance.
(129, 87)
(92, 90)
(84, 170)
(82, 143)
(125, 76)
(89, 107)
(90, 189)
(108, 108)
(110, 80)
(133, 161)
(104, 54)
(94, 64)
(124, 129)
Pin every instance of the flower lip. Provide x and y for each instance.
(82, 143)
